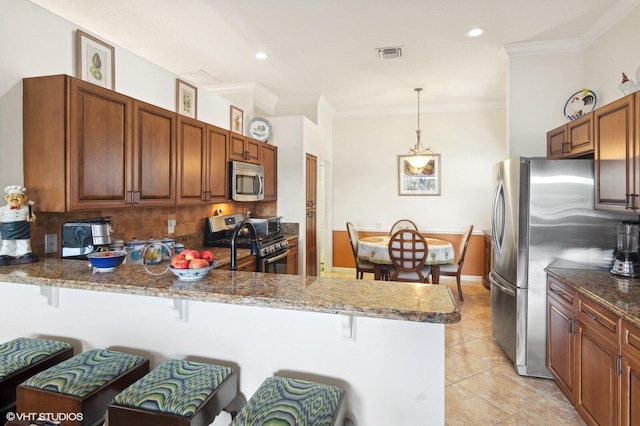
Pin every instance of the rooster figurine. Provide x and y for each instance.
(629, 86)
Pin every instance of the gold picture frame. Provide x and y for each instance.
(424, 181)
(186, 99)
(236, 123)
(95, 61)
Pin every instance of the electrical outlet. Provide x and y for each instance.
(50, 243)
(171, 226)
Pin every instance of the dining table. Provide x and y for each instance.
(375, 249)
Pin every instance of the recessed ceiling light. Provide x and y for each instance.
(261, 55)
(475, 32)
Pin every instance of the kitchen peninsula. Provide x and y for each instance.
(382, 342)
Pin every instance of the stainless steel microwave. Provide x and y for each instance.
(247, 182)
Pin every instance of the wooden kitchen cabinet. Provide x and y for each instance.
(292, 257)
(192, 159)
(600, 350)
(573, 139)
(617, 156)
(561, 336)
(154, 156)
(630, 366)
(486, 283)
(77, 145)
(218, 166)
(246, 264)
(270, 164)
(88, 148)
(597, 396)
(242, 148)
(202, 165)
(311, 251)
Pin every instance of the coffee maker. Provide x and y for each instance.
(626, 260)
(87, 236)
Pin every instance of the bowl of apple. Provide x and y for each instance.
(192, 265)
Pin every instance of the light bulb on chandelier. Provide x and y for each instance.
(419, 156)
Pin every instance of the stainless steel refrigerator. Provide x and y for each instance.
(542, 216)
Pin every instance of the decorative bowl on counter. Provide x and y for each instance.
(106, 261)
(192, 274)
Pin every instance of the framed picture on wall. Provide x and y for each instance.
(237, 119)
(95, 61)
(186, 99)
(419, 181)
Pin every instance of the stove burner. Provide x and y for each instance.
(268, 244)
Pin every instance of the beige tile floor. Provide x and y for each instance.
(482, 387)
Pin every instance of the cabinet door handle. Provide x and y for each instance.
(619, 371)
(592, 316)
(627, 201)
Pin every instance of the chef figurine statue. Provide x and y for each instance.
(15, 227)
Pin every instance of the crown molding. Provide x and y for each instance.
(611, 17)
(263, 98)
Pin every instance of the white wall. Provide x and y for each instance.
(608, 57)
(539, 87)
(35, 42)
(365, 168)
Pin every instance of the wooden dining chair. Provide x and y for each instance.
(408, 251)
(403, 224)
(455, 269)
(362, 266)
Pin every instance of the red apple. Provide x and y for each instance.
(191, 254)
(177, 258)
(198, 263)
(207, 255)
(181, 264)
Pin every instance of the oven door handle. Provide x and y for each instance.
(270, 260)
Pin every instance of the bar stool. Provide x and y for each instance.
(23, 357)
(293, 402)
(81, 387)
(177, 393)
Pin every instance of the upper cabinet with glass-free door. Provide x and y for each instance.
(617, 156)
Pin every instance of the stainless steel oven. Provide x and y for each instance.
(275, 263)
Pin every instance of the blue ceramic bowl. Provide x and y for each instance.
(106, 259)
(192, 274)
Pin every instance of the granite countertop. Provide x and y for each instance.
(378, 299)
(618, 294)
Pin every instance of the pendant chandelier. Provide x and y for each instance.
(419, 156)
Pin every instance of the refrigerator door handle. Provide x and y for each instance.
(496, 282)
(498, 228)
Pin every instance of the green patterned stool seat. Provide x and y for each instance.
(178, 392)
(280, 401)
(85, 383)
(23, 357)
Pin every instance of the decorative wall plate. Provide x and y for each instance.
(579, 104)
(259, 128)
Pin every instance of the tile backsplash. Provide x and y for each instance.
(142, 223)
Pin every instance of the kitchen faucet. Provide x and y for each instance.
(234, 236)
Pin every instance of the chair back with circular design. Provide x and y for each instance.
(403, 224)
(408, 251)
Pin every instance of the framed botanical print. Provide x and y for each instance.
(186, 99)
(95, 61)
(237, 119)
(419, 180)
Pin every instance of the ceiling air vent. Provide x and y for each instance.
(389, 52)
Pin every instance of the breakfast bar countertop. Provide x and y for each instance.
(621, 295)
(387, 300)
